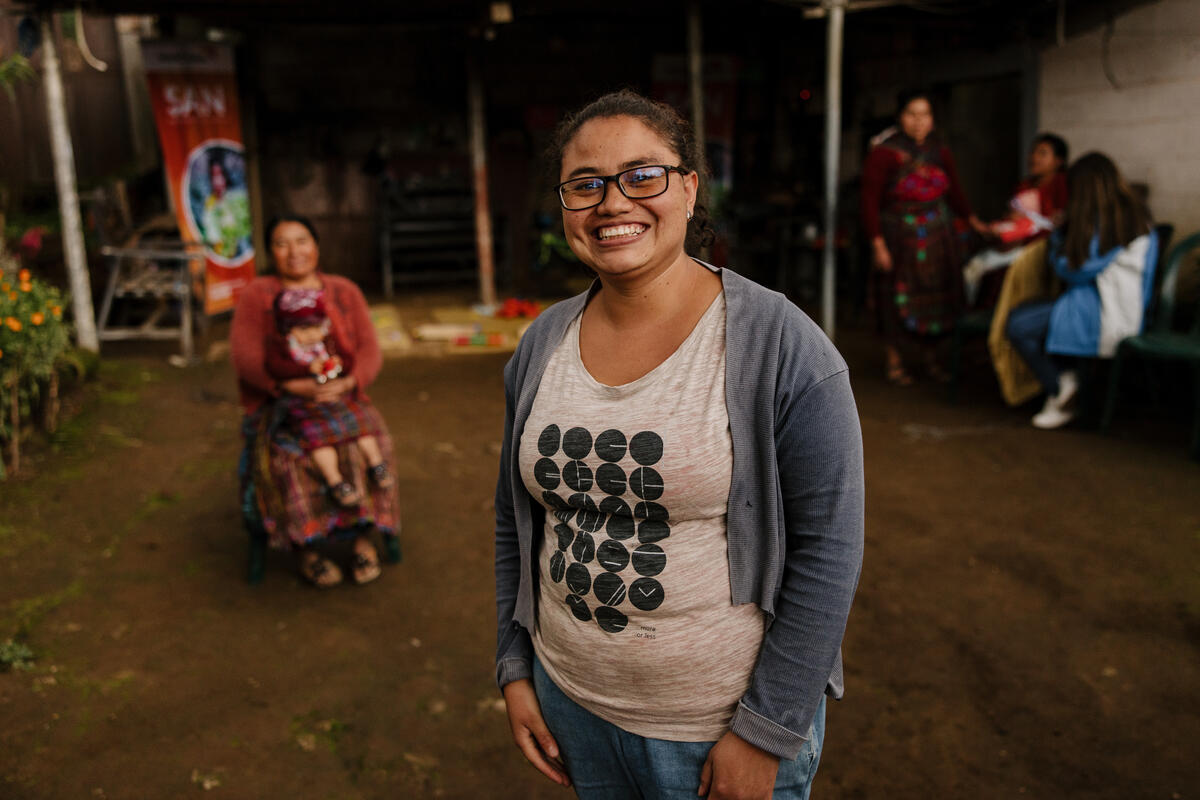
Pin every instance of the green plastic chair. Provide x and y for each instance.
(1161, 341)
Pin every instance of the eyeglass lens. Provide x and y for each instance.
(636, 183)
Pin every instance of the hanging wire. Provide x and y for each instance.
(1106, 51)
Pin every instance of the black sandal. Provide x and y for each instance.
(320, 572)
(366, 565)
(380, 476)
(345, 495)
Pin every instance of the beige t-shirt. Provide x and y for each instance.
(635, 621)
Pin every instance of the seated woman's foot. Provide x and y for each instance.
(897, 375)
(380, 476)
(319, 571)
(366, 562)
(345, 495)
(935, 371)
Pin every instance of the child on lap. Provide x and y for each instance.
(312, 346)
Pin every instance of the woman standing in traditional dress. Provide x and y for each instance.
(909, 180)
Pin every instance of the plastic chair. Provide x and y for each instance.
(1161, 341)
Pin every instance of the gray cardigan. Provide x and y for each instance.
(795, 513)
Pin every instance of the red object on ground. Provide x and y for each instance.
(515, 307)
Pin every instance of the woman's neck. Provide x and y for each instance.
(311, 281)
(658, 297)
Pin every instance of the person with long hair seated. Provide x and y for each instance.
(1104, 255)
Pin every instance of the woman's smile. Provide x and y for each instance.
(619, 234)
(621, 237)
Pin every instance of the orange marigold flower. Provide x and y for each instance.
(56, 311)
(23, 276)
(12, 295)
(37, 318)
(26, 286)
(5, 287)
(13, 323)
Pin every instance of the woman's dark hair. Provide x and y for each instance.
(278, 220)
(908, 95)
(1057, 144)
(661, 118)
(1099, 203)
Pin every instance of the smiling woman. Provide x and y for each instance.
(682, 471)
(305, 350)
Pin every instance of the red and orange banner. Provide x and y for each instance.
(194, 96)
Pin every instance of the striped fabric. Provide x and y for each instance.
(306, 425)
(288, 494)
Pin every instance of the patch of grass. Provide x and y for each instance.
(119, 397)
(15, 655)
(22, 615)
(309, 729)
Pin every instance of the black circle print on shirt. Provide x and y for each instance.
(610, 445)
(548, 441)
(617, 570)
(545, 471)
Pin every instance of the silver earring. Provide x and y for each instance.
(689, 216)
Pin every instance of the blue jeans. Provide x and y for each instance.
(1026, 329)
(608, 763)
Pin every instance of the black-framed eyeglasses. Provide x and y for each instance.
(638, 183)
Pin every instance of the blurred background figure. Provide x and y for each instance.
(1104, 255)
(910, 187)
(1036, 208)
(283, 499)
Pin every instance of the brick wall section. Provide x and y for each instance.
(1150, 125)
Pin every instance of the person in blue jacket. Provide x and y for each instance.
(1104, 255)
(679, 513)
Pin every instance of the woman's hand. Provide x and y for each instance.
(979, 226)
(530, 732)
(326, 392)
(737, 770)
(880, 255)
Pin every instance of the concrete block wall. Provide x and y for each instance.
(1149, 123)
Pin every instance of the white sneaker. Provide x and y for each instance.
(1068, 386)
(1053, 417)
(1054, 413)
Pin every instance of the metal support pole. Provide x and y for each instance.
(68, 194)
(696, 72)
(833, 128)
(483, 211)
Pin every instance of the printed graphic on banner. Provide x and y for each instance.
(194, 96)
(218, 206)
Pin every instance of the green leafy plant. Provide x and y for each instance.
(14, 68)
(15, 655)
(33, 347)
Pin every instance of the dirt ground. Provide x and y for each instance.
(1028, 621)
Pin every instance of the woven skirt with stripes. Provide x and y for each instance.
(285, 497)
(312, 425)
(923, 294)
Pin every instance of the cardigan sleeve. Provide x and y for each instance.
(514, 647)
(247, 337)
(876, 171)
(818, 445)
(368, 359)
